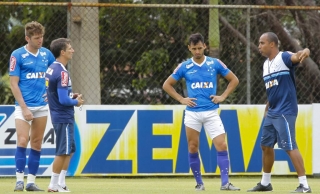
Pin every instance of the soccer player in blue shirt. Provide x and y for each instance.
(281, 110)
(28, 65)
(200, 73)
(61, 104)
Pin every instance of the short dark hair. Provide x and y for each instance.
(272, 37)
(33, 28)
(195, 38)
(58, 45)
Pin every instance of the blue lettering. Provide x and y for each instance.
(147, 141)
(98, 162)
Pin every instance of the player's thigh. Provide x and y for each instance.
(285, 126)
(213, 125)
(192, 121)
(65, 144)
(38, 124)
(22, 130)
(269, 133)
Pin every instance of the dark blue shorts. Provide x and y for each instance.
(65, 144)
(281, 130)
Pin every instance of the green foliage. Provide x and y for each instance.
(6, 96)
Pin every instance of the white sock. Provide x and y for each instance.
(266, 179)
(54, 180)
(303, 180)
(31, 178)
(62, 178)
(20, 176)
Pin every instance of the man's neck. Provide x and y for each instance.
(62, 61)
(273, 55)
(31, 50)
(199, 61)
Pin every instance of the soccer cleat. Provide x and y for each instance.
(199, 187)
(229, 187)
(19, 186)
(32, 187)
(58, 188)
(65, 188)
(260, 188)
(302, 189)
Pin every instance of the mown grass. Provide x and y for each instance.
(171, 185)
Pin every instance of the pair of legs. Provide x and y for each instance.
(280, 129)
(65, 147)
(33, 131)
(213, 125)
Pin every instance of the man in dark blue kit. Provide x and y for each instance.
(61, 105)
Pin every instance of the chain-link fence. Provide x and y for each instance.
(124, 52)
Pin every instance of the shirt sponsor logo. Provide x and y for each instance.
(28, 63)
(189, 65)
(36, 75)
(190, 72)
(271, 83)
(64, 79)
(13, 62)
(201, 85)
(49, 71)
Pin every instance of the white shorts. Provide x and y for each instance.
(38, 111)
(210, 120)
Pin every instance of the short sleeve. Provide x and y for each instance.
(222, 68)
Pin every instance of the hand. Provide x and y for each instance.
(217, 99)
(80, 100)
(27, 114)
(304, 54)
(74, 95)
(188, 101)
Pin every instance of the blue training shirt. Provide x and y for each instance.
(278, 76)
(59, 88)
(31, 68)
(201, 81)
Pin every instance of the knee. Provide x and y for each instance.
(192, 146)
(267, 149)
(36, 143)
(222, 146)
(23, 141)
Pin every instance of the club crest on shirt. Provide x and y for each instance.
(64, 79)
(13, 62)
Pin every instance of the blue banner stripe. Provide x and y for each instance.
(11, 161)
(12, 171)
(12, 151)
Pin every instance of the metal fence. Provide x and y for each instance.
(124, 52)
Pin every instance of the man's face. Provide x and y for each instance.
(197, 50)
(69, 52)
(264, 45)
(35, 41)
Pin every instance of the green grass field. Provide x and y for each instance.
(174, 185)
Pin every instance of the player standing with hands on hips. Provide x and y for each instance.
(61, 105)
(28, 65)
(281, 110)
(200, 73)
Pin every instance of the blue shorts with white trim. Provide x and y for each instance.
(281, 130)
(65, 144)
